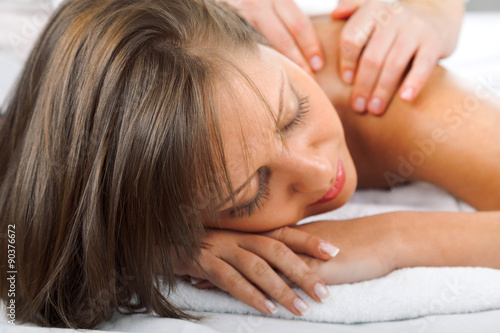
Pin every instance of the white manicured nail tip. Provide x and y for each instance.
(271, 306)
(301, 306)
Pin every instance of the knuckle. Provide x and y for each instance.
(348, 46)
(281, 292)
(299, 26)
(249, 5)
(312, 239)
(280, 249)
(310, 277)
(284, 43)
(283, 233)
(259, 268)
(234, 280)
(384, 86)
(417, 24)
(396, 65)
(372, 61)
(374, 4)
(432, 38)
(297, 272)
(428, 61)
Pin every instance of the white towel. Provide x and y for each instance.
(403, 294)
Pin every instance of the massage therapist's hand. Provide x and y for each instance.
(369, 248)
(242, 264)
(380, 39)
(287, 29)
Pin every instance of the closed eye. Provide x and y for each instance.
(258, 201)
(303, 109)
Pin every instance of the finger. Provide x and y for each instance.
(272, 28)
(204, 284)
(353, 38)
(286, 261)
(303, 242)
(302, 30)
(397, 61)
(257, 270)
(224, 276)
(369, 68)
(345, 9)
(423, 64)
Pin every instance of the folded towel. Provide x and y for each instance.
(403, 294)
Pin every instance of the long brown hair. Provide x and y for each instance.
(108, 137)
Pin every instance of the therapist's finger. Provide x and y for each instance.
(353, 38)
(370, 66)
(397, 61)
(345, 9)
(280, 38)
(423, 64)
(301, 29)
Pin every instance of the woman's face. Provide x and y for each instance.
(313, 174)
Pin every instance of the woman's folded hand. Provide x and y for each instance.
(246, 265)
(369, 248)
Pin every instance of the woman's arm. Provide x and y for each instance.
(374, 246)
(447, 136)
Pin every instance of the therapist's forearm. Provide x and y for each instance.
(449, 239)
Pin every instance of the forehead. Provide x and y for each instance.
(247, 124)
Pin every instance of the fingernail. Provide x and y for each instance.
(271, 306)
(301, 306)
(375, 105)
(329, 249)
(348, 76)
(195, 281)
(408, 93)
(359, 104)
(321, 291)
(316, 63)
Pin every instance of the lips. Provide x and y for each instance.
(335, 190)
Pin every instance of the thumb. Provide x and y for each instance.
(345, 9)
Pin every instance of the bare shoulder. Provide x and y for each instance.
(435, 138)
(328, 78)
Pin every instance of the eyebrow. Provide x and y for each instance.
(247, 182)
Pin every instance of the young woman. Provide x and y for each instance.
(137, 124)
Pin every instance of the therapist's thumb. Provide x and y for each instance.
(345, 9)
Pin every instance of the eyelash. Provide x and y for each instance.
(303, 110)
(263, 193)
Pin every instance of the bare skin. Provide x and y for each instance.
(450, 116)
(446, 136)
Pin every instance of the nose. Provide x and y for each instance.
(309, 170)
